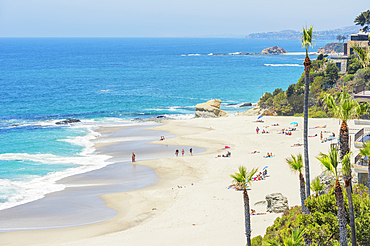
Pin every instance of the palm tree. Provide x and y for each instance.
(363, 54)
(296, 165)
(331, 162)
(363, 20)
(242, 178)
(306, 40)
(316, 186)
(344, 108)
(365, 151)
(346, 169)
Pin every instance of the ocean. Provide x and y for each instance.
(112, 81)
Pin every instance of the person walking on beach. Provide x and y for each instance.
(191, 151)
(133, 157)
(182, 152)
(177, 152)
(257, 129)
(321, 135)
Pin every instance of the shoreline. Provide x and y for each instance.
(198, 207)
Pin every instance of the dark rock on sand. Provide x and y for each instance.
(67, 121)
(245, 105)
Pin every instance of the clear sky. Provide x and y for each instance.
(171, 18)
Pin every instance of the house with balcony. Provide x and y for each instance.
(361, 39)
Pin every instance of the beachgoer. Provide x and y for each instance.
(182, 152)
(177, 152)
(257, 129)
(333, 134)
(133, 157)
(191, 151)
(321, 135)
(253, 211)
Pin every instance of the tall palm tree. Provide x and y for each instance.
(365, 151)
(306, 40)
(346, 169)
(331, 162)
(242, 178)
(296, 165)
(363, 54)
(363, 20)
(316, 186)
(344, 108)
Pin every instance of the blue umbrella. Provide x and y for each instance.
(331, 138)
(265, 167)
(259, 117)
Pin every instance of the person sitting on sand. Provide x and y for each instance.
(253, 212)
(263, 131)
(268, 155)
(296, 145)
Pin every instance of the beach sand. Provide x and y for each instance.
(190, 204)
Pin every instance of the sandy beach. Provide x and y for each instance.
(191, 203)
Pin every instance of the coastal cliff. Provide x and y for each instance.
(331, 48)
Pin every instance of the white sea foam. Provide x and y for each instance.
(283, 65)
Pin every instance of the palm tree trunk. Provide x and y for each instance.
(303, 194)
(344, 147)
(307, 64)
(343, 139)
(247, 215)
(341, 214)
(351, 212)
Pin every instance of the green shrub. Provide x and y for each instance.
(348, 78)
(321, 226)
(257, 241)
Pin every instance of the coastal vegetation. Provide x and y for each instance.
(336, 216)
(321, 225)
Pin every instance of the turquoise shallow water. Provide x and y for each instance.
(112, 81)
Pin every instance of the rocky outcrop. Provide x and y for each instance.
(245, 105)
(210, 109)
(256, 111)
(331, 48)
(67, 121)
(276, 203)
(273, 51)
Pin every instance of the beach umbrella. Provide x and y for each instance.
(331, 138)
(265, 167)
(227, 147)
(294, 123)
(259, 117)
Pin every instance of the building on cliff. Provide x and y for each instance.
(361, 39)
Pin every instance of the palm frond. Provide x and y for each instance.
(243, 177)
(330, 161)
(365, 151)
(316, 185)
(346, 164)
(295, 163)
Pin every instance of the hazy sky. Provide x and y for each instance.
(171, 18)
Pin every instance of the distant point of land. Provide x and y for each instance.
(320, 35)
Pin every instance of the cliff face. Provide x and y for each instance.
(273, 51)
(331, 48)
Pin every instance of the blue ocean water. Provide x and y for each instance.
(104, 81)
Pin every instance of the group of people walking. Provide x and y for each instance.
(183, 152)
